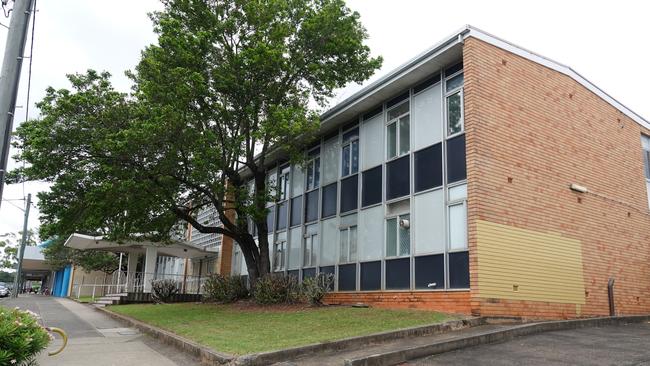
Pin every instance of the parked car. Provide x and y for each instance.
(4, 292)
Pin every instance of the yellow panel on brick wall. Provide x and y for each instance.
(520, 264)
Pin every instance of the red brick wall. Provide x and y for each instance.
(531, 132)
(449, 302)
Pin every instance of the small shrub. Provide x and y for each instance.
(162, 291)
(21, 337)
(226, 289)
(314, 288)
(276, 288)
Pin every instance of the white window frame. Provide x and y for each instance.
(348, 255)
(349, 144)
(311, 167)
(397, 246)
(447, 94)
(309, 263)
(396, 121)
(284, 176)
(645, 147)
(278, 267)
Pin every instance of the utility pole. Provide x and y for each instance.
(21, 252)
(10, 77)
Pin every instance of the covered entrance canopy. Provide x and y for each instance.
(151, 250)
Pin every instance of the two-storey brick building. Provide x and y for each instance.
(447, 185)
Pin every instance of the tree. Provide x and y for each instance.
(229, 83)
(9, 243)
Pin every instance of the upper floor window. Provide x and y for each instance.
(350, 152)
(313, 170)
(283, 183)
(398, 131)
(645, 143)
(454, 99)
(278, 255)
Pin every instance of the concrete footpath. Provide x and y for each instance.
(94, 338)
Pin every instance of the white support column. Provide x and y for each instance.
(149, 266)
(131, 264)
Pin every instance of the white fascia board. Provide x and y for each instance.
(554, 65)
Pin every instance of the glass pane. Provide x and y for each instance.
(430, 272)
(391, 141)
(347, 277)
(428, 168)
(307, 251)
(398, 111)
(296, 211)
(316, 172)
(371, 186)
(455, 82)
(329, 200)
(350, 135)
(404, 137)
(646, 159)
(398, 274)
(345, 163)
(349, 193)
(282, 216)
(457, 227)
(397, 178)
(311, 206)
(315, 249)
(459, 270)
(454, 117)
(343, 257)
(310, 176)
(353, 243)
(355, 157)
(458, 193)
(456, 162)
(370, 278)
(391, 237)
(404, 237)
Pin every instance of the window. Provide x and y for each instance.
(269, 218)
(329, 200)
(371, 186)
(349, 194)
(398, 274)
(283, 183)
(398, 131)
(398, 236)
(350, 153)
(313, 172)
(456, 165)
(311, 206)
(459, 270)
(348, 248)
(310, 246)
(296, 211)
(454, 100)
(428, 168)
(347, 277)
(282, 215)
(397, 178)
(430, 272)
(278, 255)
(645, 143)
(370, 276)
(457, 227)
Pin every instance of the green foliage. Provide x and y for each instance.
(162, 291)
(6, 277)
(276, 288)
(224, 289)
(228, 83)
(9, 244)
(313, 289)
(21, 337)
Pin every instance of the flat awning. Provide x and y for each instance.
(180, 249)
(34, 260)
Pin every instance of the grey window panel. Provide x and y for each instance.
(397, 178)
(427, 118)
(372, 142)
(329, 200)
(328, 270)
(371, 233)
(427, 83)
(349, 193)
(428, 168)
(373, 112)
(351, 134)
(454, 69)
(398, 274)
(370, 276)
(296, 211)
(270, 218)
(348, 277)
(371, 186)
(395, 101)
(456, 164)
(330, 156)
(308, 273)
(295, 247)
(459, 270)
(430, 272)
(294, 274)
(455, 82)
(429, 222)
(297, 180)
(349, 220)
(311, 206)
(282, 215)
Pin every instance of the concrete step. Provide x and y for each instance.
(107, 302)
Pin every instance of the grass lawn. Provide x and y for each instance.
(234, 330)
(84, 298)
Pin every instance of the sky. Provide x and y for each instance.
(606, 42)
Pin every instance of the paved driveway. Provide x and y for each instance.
(94, 338)
(615, 345)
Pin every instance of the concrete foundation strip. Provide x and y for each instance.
(495, 336)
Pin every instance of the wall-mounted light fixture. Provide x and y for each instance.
(578, 188)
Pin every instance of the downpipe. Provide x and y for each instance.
(610, 295)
